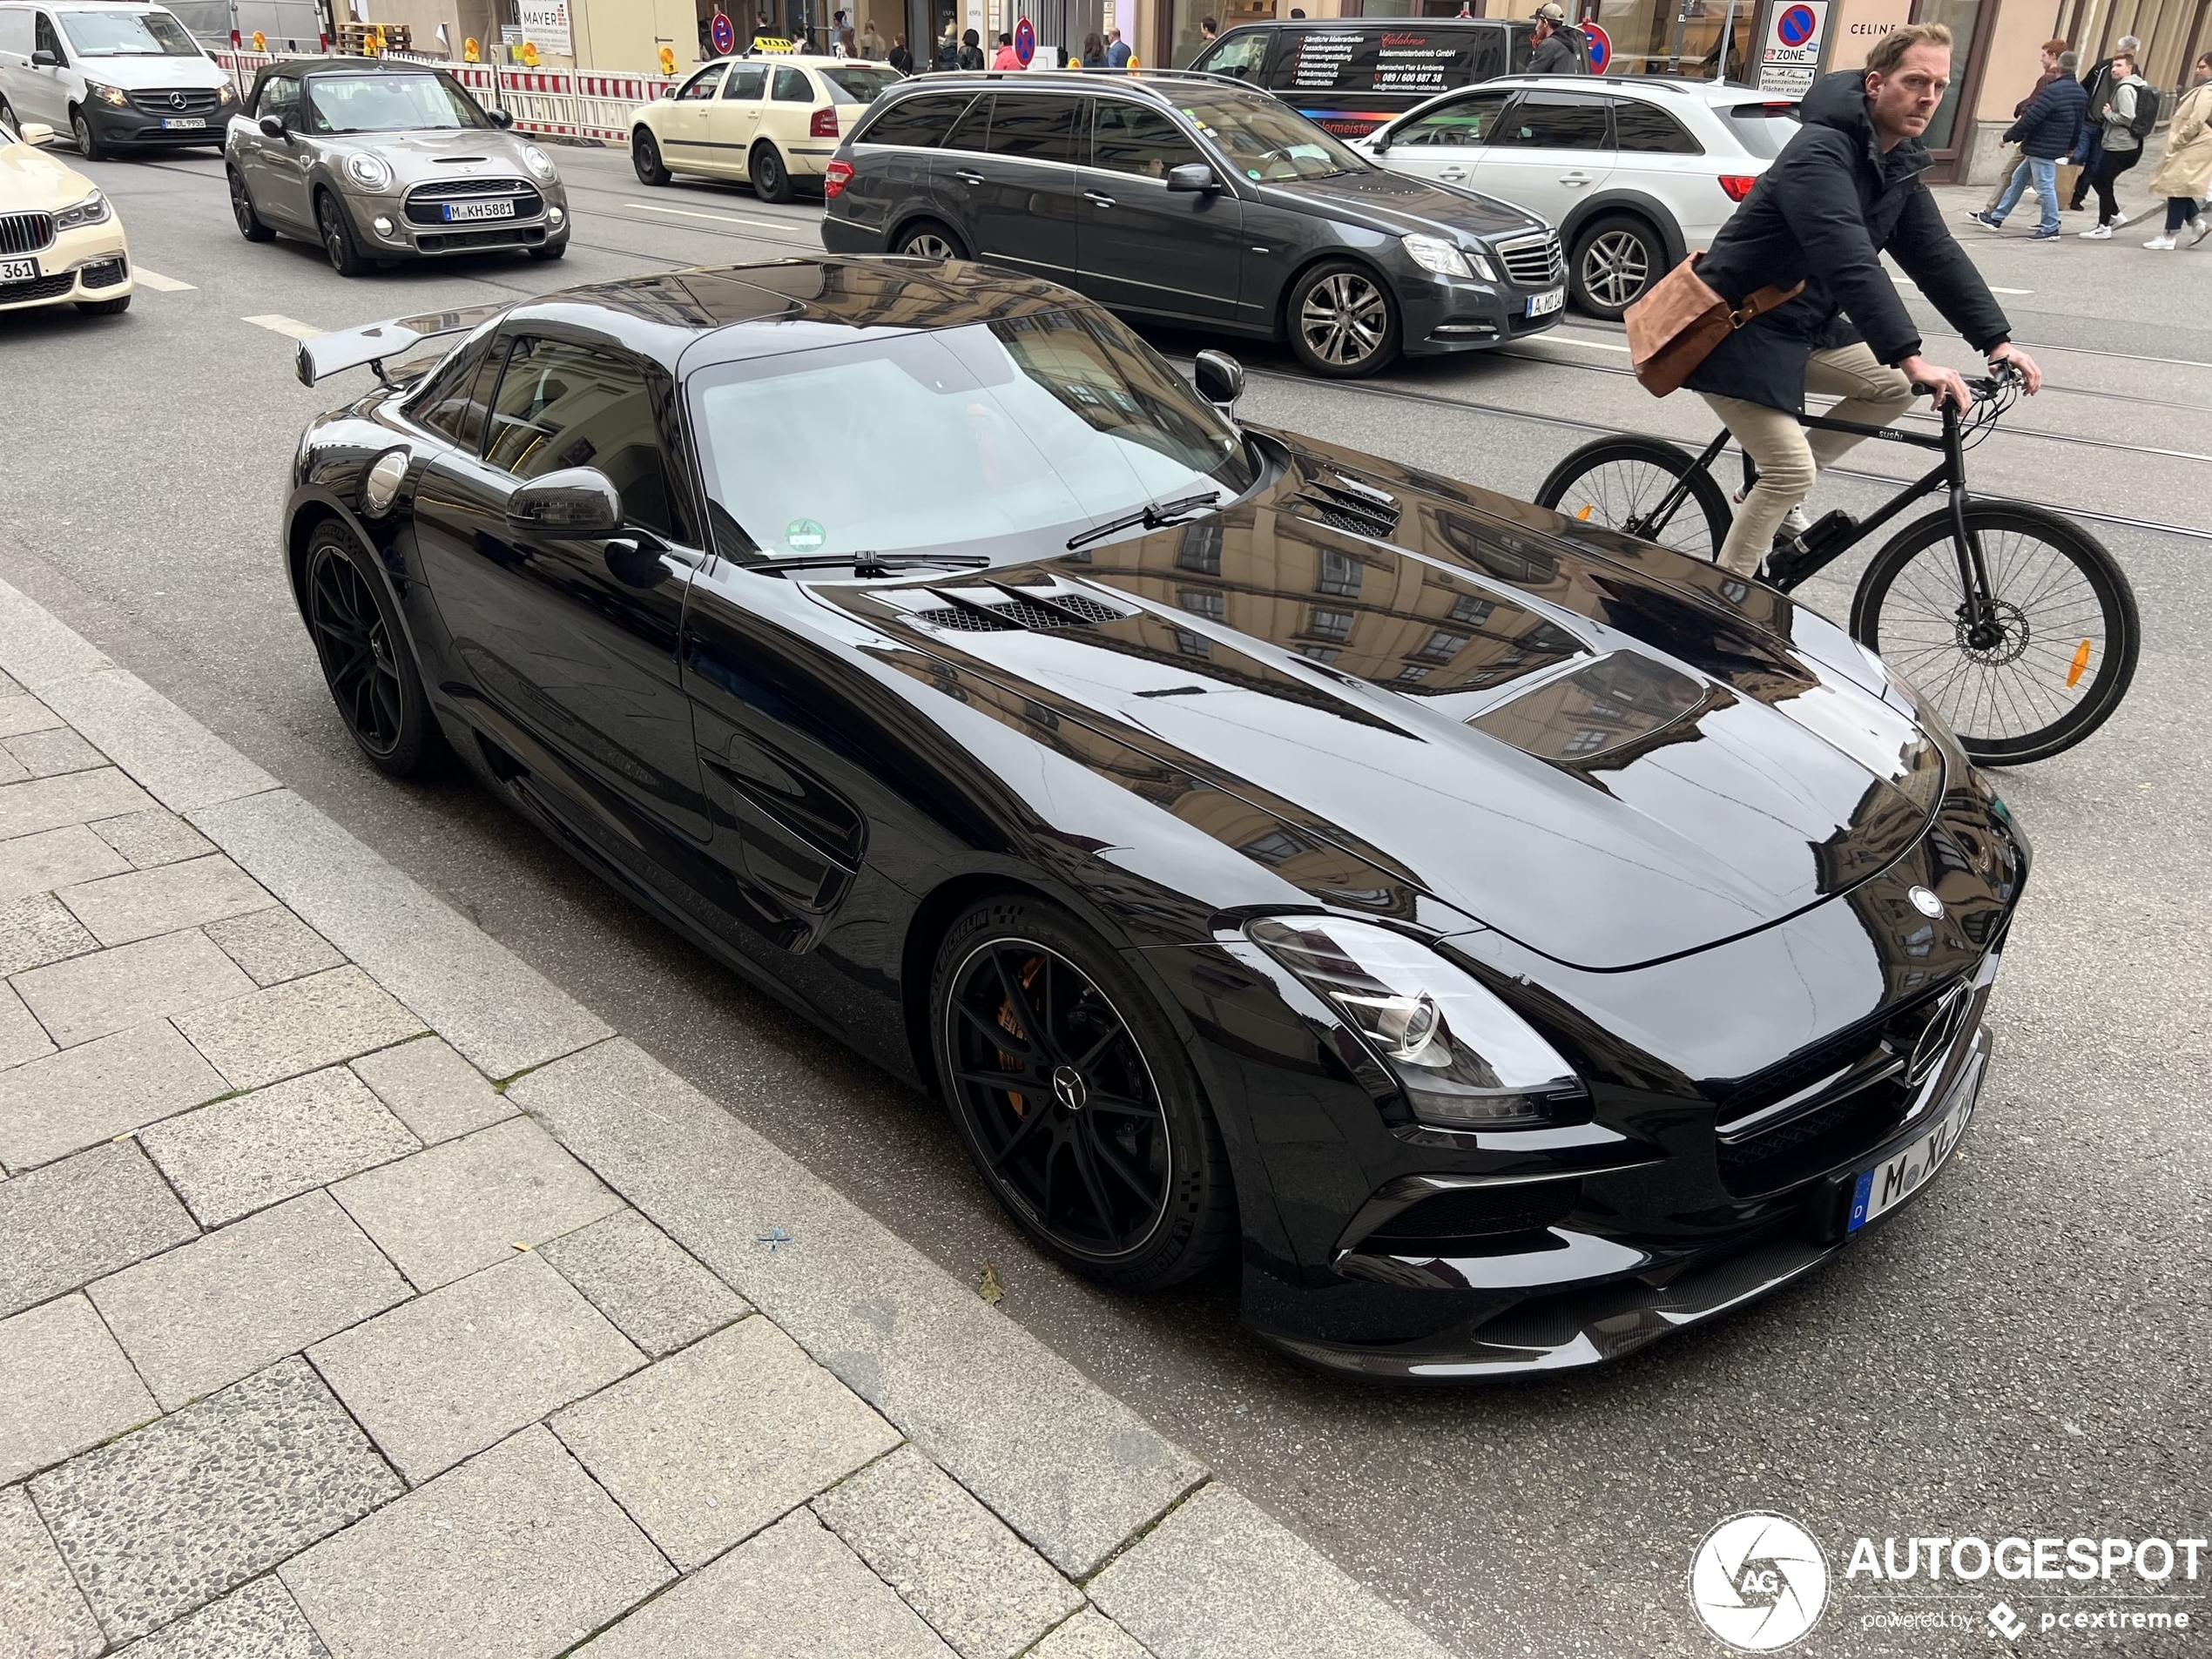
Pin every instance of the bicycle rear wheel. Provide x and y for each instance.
(1618, 482)
(2049, 666)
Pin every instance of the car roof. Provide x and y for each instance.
(805, 60)
(1392, 23)
(1713, 92)
(1163, 84)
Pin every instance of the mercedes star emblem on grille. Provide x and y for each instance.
(1940, 1032)
(176, 100)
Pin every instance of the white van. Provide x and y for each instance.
(118, 75)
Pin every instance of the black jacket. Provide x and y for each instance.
(1565, 51)
(2048, 128)
(1827, 210)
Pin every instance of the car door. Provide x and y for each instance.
(682, 126)
(565, 648)
(1141, 246)
(15, 54)
(1010, 161)
(1444, 144)
(45, 86)
(277, 169)
(789, 107)
(1549, 151)
(733, 120)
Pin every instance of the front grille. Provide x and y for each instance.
(25, 232)
(426, 203)
(1358, 512)
(1811, 1143)
(499, 236)
(183, 100)
(1535, 261)
(1443, 1220)
(45, 287)
(105, 274)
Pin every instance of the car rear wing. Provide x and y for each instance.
(370, 344)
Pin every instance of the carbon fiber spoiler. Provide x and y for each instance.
(371, 343)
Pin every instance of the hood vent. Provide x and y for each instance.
(1353, 507)
(997, 615)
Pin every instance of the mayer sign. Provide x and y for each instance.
(1796, 34)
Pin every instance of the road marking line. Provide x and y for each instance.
(160, 283)
(1995, 289)
(292, 325)
(1557, 338)
(727, 218)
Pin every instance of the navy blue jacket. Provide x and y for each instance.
(1831, 204)
(2051, 121)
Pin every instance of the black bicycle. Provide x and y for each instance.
(2015, 624)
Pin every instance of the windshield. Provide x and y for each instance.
(388, 103)
(127, 34)
(961, 438)
(850, 84)
(1762, 129)
(1266, 140)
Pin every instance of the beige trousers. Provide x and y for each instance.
(1788, 456)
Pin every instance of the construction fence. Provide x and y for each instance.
(556, 103)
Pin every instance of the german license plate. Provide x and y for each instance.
(18, 270)
(1892, 1182)
(479, 210)
(1542, 305)
(188, 122)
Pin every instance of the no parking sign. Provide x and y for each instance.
(1025, 42)
(1797, 36)
(1600, 46)
(723, 33)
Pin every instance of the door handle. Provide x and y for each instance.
(1100, 197)
(1574, 178)
(1453, 175)
(967, 178)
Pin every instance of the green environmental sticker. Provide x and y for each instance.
(803, 535)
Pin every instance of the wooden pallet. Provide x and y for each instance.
(353, 38)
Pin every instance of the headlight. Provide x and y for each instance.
(1434, 253)
(224, 94)
(370, 172)
(1464, 1059)
(93, 210)
(114, 95)
(537, 161)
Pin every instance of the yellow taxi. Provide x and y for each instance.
(60, 241)
(766, 119)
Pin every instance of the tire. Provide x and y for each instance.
(1617, 257)
(114, 308)
(2056, 590)
(1110, 1159)
(338, 244)
(928, 239)
(1342, 320)
(1611, 481)
(367, 662)
(7, 117)
(89, 142)
(644, 155)
(249, 222)
(764, 171)
(546, 252)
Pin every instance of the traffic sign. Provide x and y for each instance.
(1601, 47)
(1025, 41)
(1797, 26)
(723, 33)
(1794, 46)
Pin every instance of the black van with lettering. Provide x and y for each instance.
(1348, 77)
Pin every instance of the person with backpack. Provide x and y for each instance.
(2045, 132)
(1560, 48)
(2186, 173)
(2129, 116)
(2089, 147)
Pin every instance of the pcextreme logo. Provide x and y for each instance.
(1759, 1582)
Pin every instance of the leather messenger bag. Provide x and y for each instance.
(1676, 326)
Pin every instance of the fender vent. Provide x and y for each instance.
(965, 620)
(992, 616)
(1352, 509)
(1438, 1222)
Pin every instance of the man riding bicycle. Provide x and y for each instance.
(1846, 190)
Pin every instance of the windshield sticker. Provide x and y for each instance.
(803, 535)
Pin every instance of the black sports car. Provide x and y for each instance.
(1515, 942)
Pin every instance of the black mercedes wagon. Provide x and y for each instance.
(1190, 200)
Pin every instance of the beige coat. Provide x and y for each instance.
(2187, 170)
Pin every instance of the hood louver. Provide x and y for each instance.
(1354, 508)
(994, 616)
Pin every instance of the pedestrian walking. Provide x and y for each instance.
(1094, 50)
(2053, 52)
(2186, 173)
(1801, 258)
(1007, 57)
(2045, 132)
(1118, 49)
(1560, 48)
(901, 58)
(2090, 146)
(2130, 113)
(971, 49)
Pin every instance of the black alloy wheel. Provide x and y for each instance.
(1616, 259)
(928, 239)
(249, 222)
(644, 155)
(89, 143)
(338, 242)
(1075, 1099)
(765, 167)
(1343, 320)
(365, 655)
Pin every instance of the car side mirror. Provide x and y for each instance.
(271, 126)
(36, 132)
(577, 501)
(501, 119)
(43, 59)
(1219, 378)
(1380, 143)
(1192, 176)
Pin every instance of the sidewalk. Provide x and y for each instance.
(363, 1295)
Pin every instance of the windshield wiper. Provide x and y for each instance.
(1153, 515)
(865, 564)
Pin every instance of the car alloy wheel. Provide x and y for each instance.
(366, 659)
(88, 142)
(249, 222)
(929, 244)
(1344, 322)
(337, 237)
(1616, 268)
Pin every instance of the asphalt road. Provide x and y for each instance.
(2023, 1351)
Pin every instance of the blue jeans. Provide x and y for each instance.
(2046, 176)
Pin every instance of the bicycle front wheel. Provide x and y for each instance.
(1620, 482)
(2047, 665)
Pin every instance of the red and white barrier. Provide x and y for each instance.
(557, 103)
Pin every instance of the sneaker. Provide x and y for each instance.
(2160, 242)
(2097, 233)
(2050, 235)
(2203, 229)
(1794, 525)
(1987, 220)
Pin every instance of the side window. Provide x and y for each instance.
(792, 86)
(1034, 126)
(748, 82)
(1555, 121)
(701, 85)
(1489, 55)
(15, 32)
(1650, 130)
(280, 97)
(452, 400)
(1242, 55)
(1463, 121)
(568, 405)
(920, 122)
(46, 38)
(971, 131)
(1521, 45)
(1135, 137)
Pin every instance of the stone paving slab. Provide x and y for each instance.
(122, 909)
(37, 647)
(110, 990)
(42, 1614)
(21, 1036)
(958, 1565)
(466, 1203)
(451, 1373)
(1089, 1635)
(176, 758)
(434, 1090)
(256, 1621)
(233, 1301)
(516, 1554)
(64, 1385)
(78, 798)
(794, 1592)
(39, 930)
(48, 754)
(53, 858)
(169, 1518)
(639, 1278)
(713, 1444)
(21, 712)
(252, 1150)
(296, 1027)
(97, 1090)
(152, 837)
(71, 1223)
(274, 945)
